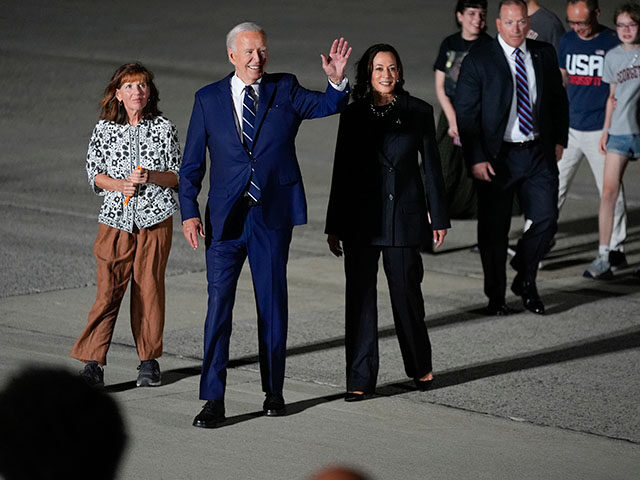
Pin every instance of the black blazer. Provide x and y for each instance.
(380, 191)
(484, 94)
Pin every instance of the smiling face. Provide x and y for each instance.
(472, 22)
(385, 73)
(134, 93)
(249, 56)
(582, 21)
(513, 24)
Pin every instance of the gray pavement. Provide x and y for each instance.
(516, 397)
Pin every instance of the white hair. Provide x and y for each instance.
(240, 28)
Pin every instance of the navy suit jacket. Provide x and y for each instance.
(282, 105)
(483, 99)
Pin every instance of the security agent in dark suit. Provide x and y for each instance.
(380, 203)
(248, 122)
(512, 114)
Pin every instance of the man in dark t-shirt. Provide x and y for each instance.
(545, 25)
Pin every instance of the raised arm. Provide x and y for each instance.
(335, 64)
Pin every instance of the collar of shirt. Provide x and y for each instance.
(237, 94)
(508, 49)
(237, 86)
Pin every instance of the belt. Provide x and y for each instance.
(527, 144)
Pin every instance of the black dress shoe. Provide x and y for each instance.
(423, 385)
(211, 416)
(273, 405)
(531, 299)
(498, 310)
(355, 397)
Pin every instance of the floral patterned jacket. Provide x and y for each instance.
(116, 150)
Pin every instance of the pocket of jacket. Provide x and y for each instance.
(290, 179)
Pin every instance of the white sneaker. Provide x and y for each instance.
(599, 269)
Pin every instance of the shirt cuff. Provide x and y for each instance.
(339, 86)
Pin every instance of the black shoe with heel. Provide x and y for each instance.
(274, 405)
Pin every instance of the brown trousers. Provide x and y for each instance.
(142, 257)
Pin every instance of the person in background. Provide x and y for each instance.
(384, 201)
(581, 59)
(339, 473)
(133, 162)
(470, 16)
(54, 426)
(621, 132)
(544, 25)
(512, 136)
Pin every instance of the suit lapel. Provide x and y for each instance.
(504, 89)
(538, 67)
(267, 89)
(504, 72)
(226, 107)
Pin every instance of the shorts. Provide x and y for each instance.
(626, 145)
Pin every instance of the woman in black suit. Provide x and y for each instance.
(382, 200)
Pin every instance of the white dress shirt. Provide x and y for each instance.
(238, 93)
(512, 132)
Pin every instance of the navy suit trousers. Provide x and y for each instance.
(268, 252)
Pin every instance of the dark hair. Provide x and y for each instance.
(502, 3)
(112, 110)
(462, 5)
(53, 425)
(592, 5)
(364, 69)
(630, 8)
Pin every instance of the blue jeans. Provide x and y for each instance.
(626, 145)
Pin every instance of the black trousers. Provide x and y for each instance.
(528, 172)
(404, 271)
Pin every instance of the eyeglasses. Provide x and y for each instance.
(624, 26)
(584, 23)
(578, 24)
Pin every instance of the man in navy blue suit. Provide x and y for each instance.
(248, 121)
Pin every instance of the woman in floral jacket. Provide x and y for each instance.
(133, 161)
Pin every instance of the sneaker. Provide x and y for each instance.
(149, 375)
(93, 374)
(599, 269)
(618, 260)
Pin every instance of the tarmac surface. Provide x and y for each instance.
(522, 396)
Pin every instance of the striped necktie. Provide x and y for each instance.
(248, 131)
(525, 115)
